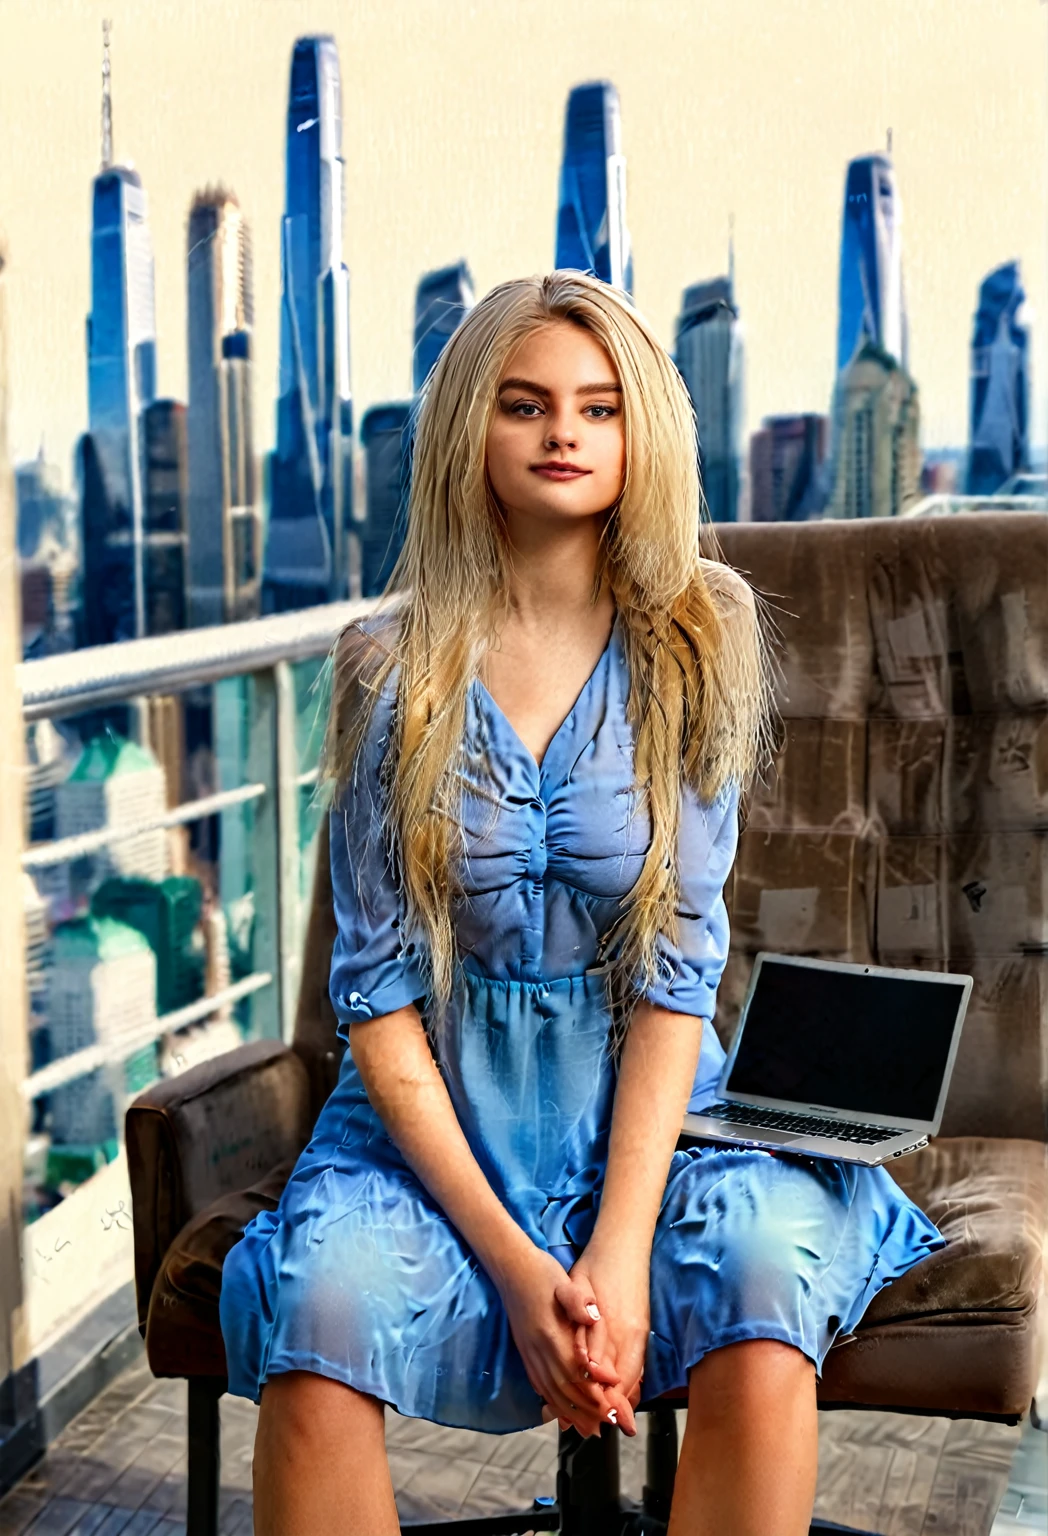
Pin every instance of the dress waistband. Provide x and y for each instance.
(590, 983)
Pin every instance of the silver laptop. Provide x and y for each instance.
(834, 1060)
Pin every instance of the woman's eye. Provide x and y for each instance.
(604, 411)
(526, 408)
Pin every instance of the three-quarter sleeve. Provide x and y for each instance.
(690, 971)
(375, 964)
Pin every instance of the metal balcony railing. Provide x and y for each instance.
(264, 652)
(944, 502)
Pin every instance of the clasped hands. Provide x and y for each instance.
(582, 1337)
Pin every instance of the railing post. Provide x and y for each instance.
(13, 1042)
(289, 960)
(264, 845)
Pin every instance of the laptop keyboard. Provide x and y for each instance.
(787, 1120)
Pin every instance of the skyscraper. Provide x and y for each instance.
(442, 299)
(311, 467)
(877, 467)
(709, 354)
(871, 300)
(224, 529)
(385, 434)
(165, 492)
(785, 457)
(592, 235)
(44, 510)
(998, 444)
(121, 372)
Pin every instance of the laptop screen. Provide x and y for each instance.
(872, 1044)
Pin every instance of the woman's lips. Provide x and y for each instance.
(558, 471)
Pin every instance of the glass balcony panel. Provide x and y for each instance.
(170, 850)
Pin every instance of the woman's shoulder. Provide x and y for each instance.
(730, 590)
(369, 639)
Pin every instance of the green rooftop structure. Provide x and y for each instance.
(166, 914)
(107, 755)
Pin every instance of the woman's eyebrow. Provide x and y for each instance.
(540, 389)
(529, 384)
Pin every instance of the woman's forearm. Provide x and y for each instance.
(396, 1065)
(656, 1073)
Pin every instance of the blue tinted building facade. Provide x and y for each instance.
(311, 466)
(998, 445)
(592, 235)
(442, 299)
(121, 383)
(385, 437)
(872, 306)
(709, 355)
(224, 525)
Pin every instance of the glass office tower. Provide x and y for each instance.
(871, 300)
(592, 235)
(998, 445)
(442, 299)
(311, 467)
(224, 528)
(709, 354)
(385, 437)
(121, 380)
(165, 495)
(786, 456)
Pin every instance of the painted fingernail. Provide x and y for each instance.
(585, 1375)
(594, 1311)
(613, 1415)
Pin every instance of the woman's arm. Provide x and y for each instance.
(656, 1077)
(396, 1065)
(657, 1069)
(659, 1058)
(547, 1310)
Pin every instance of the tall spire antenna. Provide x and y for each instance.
(731, 254)
(107, 102)
(889, 143)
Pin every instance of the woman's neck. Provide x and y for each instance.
(553, 568)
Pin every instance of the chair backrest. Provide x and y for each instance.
(315, 1038)
(907, 819)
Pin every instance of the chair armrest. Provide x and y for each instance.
(215, 1129)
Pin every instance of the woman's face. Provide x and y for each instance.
(556, 447)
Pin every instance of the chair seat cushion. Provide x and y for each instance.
(957, 1334)
(183, 1335)
(959, 1331)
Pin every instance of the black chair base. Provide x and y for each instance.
(588, 1502)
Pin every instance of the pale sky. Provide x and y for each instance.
(452, 123)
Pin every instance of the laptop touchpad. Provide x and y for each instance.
(763, 1133)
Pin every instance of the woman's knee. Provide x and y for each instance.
(756, 1370)
(304, 1414)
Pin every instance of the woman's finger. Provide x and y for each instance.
(578, 1302)
(621, 1407)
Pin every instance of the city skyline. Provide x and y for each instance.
(680, 191)
(310, 468)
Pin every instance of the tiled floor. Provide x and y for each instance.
(119, 1470)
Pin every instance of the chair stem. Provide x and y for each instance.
(204, 1456)
(660, 1461)
(588, 1483)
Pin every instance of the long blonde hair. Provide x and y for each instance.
(699, 694)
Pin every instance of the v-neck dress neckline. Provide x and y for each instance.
(543, 772)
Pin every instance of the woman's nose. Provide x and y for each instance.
(561, 435)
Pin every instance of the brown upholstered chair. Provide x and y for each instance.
(906, 824)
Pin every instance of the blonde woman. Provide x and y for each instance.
(537, 751)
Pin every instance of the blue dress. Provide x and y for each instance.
(359, 1276)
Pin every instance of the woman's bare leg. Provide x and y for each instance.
(750, 1453)
(320, 1466)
